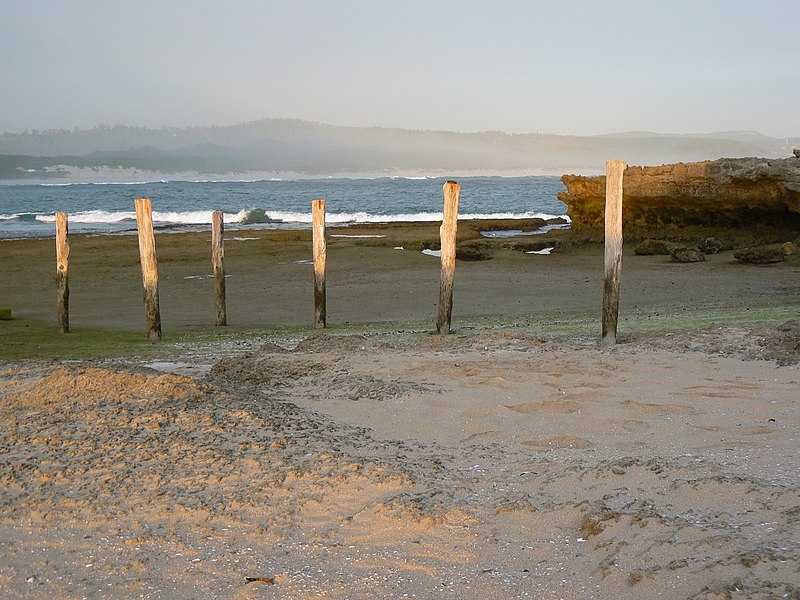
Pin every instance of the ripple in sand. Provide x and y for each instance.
(557, 406)
(659, 410)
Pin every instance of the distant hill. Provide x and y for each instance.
(275, 145)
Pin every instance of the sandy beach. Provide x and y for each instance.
(515, 458)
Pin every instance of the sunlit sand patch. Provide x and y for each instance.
(484, 411)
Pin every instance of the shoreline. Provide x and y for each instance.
(527, 228)
(371, 279)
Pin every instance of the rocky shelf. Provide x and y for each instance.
(754, 197)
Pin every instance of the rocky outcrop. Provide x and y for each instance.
(709, 245)
(687, 254)
(760, 255)
(725, 193)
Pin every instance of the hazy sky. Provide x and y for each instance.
(555, 66)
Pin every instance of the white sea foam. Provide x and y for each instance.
(202, 217)
(195, 217)
(227, 180)
(92, 216)
(429, 252)
(76, 183)
(364, 217)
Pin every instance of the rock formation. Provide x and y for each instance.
(755, 193)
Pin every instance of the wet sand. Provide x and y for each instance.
(495, 463)
(270, 279)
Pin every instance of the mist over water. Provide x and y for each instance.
(106, 208)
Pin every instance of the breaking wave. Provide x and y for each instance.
(255, 216)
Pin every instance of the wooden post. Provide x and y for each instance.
(613, 250)
(62, 271)
(147, 256)
(447, 235)
(320, 259)
(218, 263)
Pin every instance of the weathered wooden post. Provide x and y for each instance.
(147, 256)
(447, 235)
(218, 263)
(613, 250)
(62, 271)
(320, 259)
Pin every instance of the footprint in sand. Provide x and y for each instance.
(484, 436)
(635, 425)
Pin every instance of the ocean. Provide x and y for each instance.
(28, 210)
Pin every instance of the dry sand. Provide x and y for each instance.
(387, 465)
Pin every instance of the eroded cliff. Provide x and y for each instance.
(747, 194)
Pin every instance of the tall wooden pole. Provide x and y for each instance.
(218, 263)
(613, 250)
(320, 260)
(147, 256)
(62, 271)
(447, 235)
